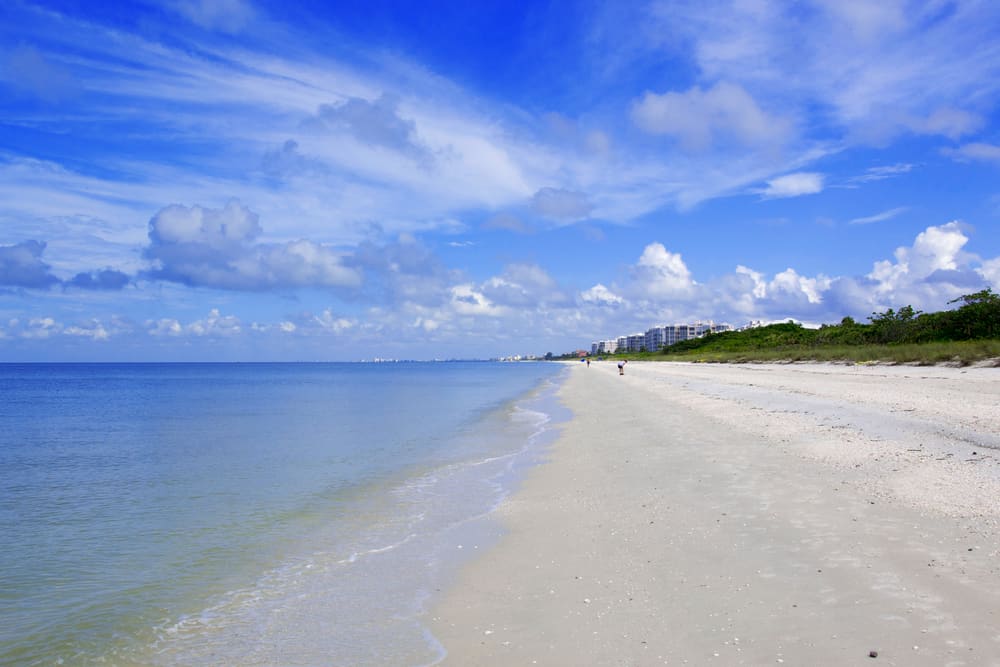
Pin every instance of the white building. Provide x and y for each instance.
(604, 347)
(656, 338)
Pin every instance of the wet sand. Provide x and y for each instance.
(748, 514)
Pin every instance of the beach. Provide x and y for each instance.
(799, 514)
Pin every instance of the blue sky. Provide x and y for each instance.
(241, 180)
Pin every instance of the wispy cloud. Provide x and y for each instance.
(881, 173)
(793, 185)
(977, 151)
(349, 160)
(879, 217)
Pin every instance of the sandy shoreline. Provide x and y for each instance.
(757, 514)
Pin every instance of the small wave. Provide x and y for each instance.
(378, 550)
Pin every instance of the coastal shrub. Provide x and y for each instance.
(905, 335)
(978, 317)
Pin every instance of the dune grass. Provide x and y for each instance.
(959, 353)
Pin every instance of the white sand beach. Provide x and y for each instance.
(748, 514)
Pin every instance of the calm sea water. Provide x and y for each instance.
(292, 514)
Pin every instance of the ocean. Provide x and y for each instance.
(251, 514)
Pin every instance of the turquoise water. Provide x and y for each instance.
(292, 514)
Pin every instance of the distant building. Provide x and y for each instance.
(658, 337)
(604, 347)
(637, 343)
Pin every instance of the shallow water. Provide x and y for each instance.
(248, 513)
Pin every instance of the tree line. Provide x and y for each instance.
(977, 318)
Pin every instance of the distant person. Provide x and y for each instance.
(621, 367)
(588, 363)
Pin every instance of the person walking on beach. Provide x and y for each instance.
(588, 363)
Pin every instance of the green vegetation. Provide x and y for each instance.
(964, 335)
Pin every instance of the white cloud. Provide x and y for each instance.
(974, 152)
(660, 272)
(218, 248)
(790, 283)
(879, 217)
(376, 124)
(793, 185)
(94, 330)
(601, 295)
(164, 327)
(215, 324)
(883, 172)
(41, 327)
(935, 249)
(948, 122)
(522, 285)
(699, 118)
(759, 290)
(990, 270)
(467, 300)
(330, 322)
(877, 69)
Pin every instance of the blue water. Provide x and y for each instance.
(292, 514)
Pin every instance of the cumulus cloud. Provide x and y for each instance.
(166, 326)
(935, 249)
(700, 117)
(561, 204)
(660, 272)
(93, 330)
(467, 300)
(213, 325)
(990, 271)
(217, 248)
(793, 185)
(41, 328)
(21, 265)
(926, 274)
(328, 321)
(601, 295)
(790, 283)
